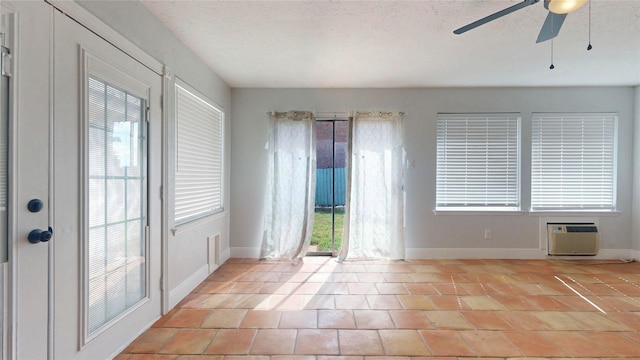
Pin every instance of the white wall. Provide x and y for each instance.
(188, 249)
(429, 235)
(635, 242)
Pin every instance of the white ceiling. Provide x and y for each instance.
(381, 44)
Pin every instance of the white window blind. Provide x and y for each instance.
(116, 257)
(477, 159)
(199, 154)
(573, 162)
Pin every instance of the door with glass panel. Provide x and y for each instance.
(107, 146)
(332, 137)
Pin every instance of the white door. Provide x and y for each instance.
(27, 26)
(106, 195)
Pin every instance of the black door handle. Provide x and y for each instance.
(37, 235)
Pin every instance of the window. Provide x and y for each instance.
(199, 151)
(478, 158)
(573, 162)
(117, 157)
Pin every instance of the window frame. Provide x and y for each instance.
(476, 208)
(614, 163)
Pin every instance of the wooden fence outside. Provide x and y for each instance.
(323, 187)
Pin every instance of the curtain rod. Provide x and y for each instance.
(295, 113)
(380, 113)
(284, 113)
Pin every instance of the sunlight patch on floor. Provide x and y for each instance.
(580, 295)
(287, 298)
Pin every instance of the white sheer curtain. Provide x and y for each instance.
(290, 197)
(374, 224)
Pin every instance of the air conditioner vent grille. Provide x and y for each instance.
(582, 229)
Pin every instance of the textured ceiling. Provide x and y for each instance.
(380, 44)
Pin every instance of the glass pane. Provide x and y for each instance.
(321, 237)
(116, 245)
(331, 158)
(341, 152)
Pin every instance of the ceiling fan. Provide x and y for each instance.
(558, 10)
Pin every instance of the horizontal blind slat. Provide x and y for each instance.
(199, 154)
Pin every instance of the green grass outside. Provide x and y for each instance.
(322, 229)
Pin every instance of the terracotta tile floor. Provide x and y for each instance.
(323, 310)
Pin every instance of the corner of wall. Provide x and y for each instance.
(225, 255)
(635, 202)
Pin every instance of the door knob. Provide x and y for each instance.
(35, 205)
(37, 235)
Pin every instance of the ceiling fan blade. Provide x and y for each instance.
(492, 17)
(551, 27)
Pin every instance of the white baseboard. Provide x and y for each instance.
(245, 252)
(603, 254)
(625, 254)
(489, 253)
(478, 253)
(179, 292)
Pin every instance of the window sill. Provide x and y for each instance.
(477, 212)
(574, 213)
(197, 222)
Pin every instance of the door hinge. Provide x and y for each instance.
(5, 62)
(146, 114)
(161, 192)
(161, 283)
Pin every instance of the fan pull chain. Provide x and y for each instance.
(589, 47)
(552, 66)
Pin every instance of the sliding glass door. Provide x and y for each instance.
(331, 169)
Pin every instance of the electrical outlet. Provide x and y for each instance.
(411, 163)
(488, 234)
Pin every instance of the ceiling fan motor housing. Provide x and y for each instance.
(563, 6)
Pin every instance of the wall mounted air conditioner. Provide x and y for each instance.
(573, 238)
